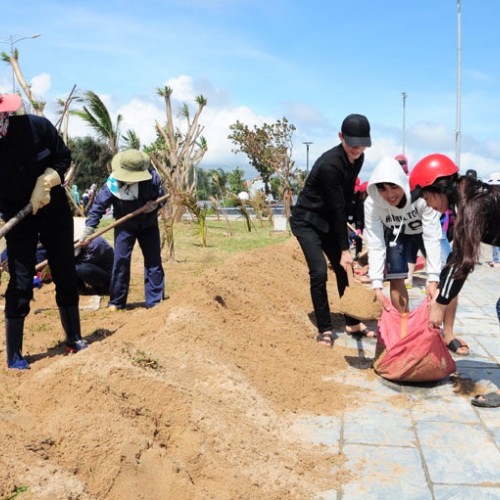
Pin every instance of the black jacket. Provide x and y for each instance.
(326, 200)
(31, 145)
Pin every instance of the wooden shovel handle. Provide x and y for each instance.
(350, 275)
(16, 219)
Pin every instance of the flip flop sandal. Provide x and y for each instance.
(491, 400)
(455, 344)
(325, 338)
(369, 334)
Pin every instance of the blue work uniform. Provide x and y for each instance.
(142, 228)
(94, 265)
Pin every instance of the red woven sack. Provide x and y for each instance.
(408, 350)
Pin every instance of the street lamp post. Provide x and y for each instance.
(307, 155)
(458, 134)
(405, 95)
(11, 40)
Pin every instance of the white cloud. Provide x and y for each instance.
(431, 136)
(216, 123)
(141, 116)
(423, 138)
(41, 84)
(309, 116)
(183, 89)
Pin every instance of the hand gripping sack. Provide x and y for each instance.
(408, 349)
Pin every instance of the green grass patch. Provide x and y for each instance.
(191, 259)
(229, 239)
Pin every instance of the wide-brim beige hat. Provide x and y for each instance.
(131, 166)
(9, 103)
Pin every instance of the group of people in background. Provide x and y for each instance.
(34, 160)
(403, 214)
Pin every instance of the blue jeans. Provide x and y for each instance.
(495, 254)
(397, 257)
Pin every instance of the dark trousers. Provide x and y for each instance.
(154, 277)
(53, 224)
(315, 245)
(94, 276)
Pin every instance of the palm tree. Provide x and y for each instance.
(97, 116)
(131, 140)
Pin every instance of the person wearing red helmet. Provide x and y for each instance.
(392, 223)
(437, 180)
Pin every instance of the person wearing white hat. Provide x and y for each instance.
(132, 184)
(33, 161)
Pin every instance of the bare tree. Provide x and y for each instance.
(176, 154)
(63, 122)
(13, 60)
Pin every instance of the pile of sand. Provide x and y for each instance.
(195, 398)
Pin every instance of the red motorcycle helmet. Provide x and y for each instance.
(430, 168)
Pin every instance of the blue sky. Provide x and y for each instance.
(259, 60)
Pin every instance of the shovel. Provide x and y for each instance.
(16, 219)
(363, 256)
(121, 220)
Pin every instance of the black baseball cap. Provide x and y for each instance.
(356, 131)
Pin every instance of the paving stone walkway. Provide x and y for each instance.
(423, 441)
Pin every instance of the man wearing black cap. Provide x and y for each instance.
(319, 220)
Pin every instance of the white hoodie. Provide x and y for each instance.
(413, 218)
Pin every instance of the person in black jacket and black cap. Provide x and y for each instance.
(33, 160)
(319, 220)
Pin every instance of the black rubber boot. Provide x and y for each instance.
(14, 342)
(70, 320)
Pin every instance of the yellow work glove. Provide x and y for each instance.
(41, 194)
(88, 231)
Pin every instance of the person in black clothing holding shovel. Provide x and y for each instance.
(132, 184)
(319, 220)
(33, 160)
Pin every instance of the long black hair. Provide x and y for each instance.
(474, 202)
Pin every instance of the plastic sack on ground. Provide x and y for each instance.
(408, 349)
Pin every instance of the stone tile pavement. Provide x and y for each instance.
(423, 441)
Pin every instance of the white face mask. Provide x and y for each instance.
(4, 124)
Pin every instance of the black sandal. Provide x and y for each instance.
(325, 338)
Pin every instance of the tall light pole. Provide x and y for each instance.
(405, 95)
(459, 86)
(307, 155)
(12, 40)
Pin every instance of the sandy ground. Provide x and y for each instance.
(193, 399)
